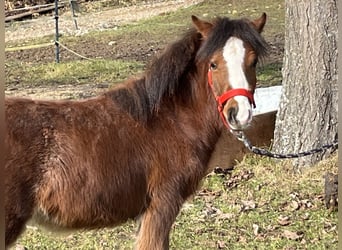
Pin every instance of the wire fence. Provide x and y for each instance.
(73, 52)
(55, 5)
(56, 41)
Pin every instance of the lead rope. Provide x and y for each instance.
(222, 99)
(259, 151)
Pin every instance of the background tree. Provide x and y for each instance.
(307, 116)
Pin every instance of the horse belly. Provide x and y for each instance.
(69, 203)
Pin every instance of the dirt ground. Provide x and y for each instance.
(140, 49)
(86, 22)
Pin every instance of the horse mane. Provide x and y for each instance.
(168, 77)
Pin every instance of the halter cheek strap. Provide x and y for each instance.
(222, 99)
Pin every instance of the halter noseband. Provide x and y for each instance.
(222, 99)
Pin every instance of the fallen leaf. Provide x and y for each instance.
(306, 203)
(248, 205)
(295, 205)
(293, 235)
(221, 244)
(294, 195)
(283, 220)
(255, 229)
(306, 216)
(224, 216)
(242, 239)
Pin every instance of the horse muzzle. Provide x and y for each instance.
(235, 107)
(238, 115)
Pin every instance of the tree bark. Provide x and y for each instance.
(307, 116)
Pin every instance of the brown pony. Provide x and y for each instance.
(139, 150)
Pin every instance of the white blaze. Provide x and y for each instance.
(234, 53)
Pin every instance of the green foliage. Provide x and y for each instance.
(269, 74)
(74, 72)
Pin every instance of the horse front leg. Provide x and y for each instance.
(157, 220)
(19, 207)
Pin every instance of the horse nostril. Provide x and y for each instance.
(232, 113)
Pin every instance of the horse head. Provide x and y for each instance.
(231, 49)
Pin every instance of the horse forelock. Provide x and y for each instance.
(223, 29)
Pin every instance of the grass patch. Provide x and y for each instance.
(75, 72)
(269, 74)
(170, 25)
(259, 205)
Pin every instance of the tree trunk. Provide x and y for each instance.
(307, 116)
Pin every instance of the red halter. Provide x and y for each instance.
(222, 99)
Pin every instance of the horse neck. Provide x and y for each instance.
(199, 111)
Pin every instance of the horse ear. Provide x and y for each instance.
(202, 27)
(260, 22)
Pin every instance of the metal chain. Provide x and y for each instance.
(259, 151)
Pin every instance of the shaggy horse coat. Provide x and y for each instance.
(137, 151)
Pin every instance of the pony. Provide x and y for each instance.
(139, 150)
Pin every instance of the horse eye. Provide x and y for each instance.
(213, 65)
(255, 61)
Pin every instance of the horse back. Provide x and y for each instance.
(71, 159)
